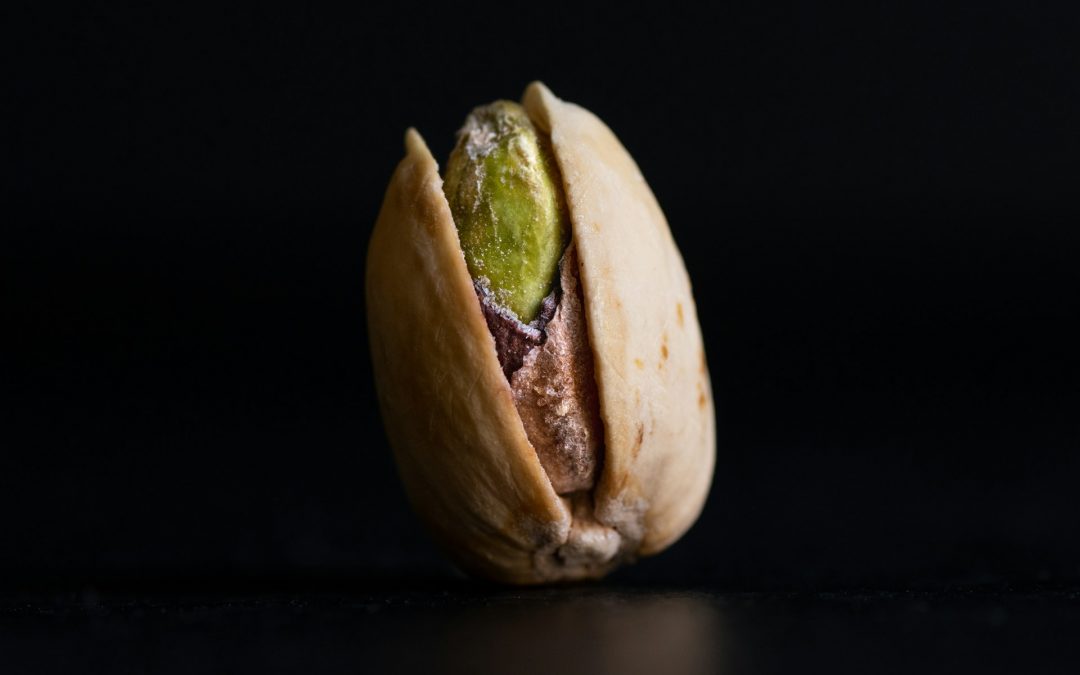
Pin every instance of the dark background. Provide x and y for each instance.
(877, 208)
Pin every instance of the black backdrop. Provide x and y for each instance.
(877, 210)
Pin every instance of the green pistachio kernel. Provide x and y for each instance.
(506, 198)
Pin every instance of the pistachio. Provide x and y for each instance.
(536, 349)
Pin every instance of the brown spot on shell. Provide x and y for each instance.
(639, 440)
(663, 349)
(701, 400)
(639, 363)
(679, 314)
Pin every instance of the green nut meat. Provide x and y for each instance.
(506, 198)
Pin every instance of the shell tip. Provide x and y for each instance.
(414, 142)
(537, 100)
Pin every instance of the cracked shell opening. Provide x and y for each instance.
(505, 192)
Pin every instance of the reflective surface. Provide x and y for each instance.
(460, 628)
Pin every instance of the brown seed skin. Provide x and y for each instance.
(555, 393)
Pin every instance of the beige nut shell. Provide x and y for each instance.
(461, 449)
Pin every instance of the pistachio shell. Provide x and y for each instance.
(461, 449)
(655, 396)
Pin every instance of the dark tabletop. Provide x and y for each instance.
(456, 626)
